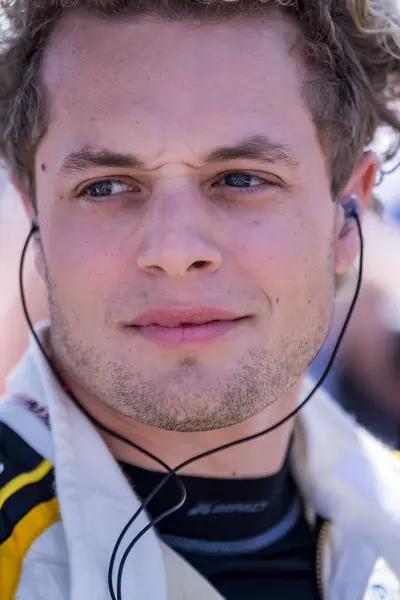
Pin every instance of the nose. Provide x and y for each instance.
(177, 241)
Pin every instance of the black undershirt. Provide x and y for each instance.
(248, 537)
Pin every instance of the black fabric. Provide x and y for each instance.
(252, 512)
(16, 458)
(16, 455)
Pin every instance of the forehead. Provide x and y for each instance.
(114, 82)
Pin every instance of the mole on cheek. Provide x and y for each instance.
(43, 167)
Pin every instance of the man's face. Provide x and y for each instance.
(181, 174)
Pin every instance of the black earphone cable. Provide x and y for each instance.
(174, 472)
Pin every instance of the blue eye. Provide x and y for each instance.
(106, 188)
(242, 180)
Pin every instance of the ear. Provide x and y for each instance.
(360, 185)
(31, 213)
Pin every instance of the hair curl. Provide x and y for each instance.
(352, 48)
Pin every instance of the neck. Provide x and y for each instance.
(257, 458)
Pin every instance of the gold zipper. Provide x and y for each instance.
(318, 562)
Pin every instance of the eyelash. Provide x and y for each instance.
(84, 193)
(247, 190)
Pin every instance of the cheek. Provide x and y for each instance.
(278, 254)
(290, 265)
(84, 266)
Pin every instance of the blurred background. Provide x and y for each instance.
(365, 379)
(366, 376)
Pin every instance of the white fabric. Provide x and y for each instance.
(344, 474)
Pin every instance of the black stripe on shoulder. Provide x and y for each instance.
(16, 456)
(23, 501)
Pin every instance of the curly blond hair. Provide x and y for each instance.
(352, 49)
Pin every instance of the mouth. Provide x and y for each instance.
(176, 327)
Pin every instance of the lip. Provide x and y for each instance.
(177, 316)
(181, 327)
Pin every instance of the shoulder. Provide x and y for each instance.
(28, 504)
(25, 476)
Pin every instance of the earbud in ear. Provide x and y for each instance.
(35, 225)
(350, 207)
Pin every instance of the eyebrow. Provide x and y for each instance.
(257, 147)
(87, 158)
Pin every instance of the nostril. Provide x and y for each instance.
(199, 264)
(156, 269)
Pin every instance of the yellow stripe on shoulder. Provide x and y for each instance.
(15, 548)
(24, 479)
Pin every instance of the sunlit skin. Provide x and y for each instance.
(182, 174)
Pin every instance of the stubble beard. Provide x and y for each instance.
(190, 400)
